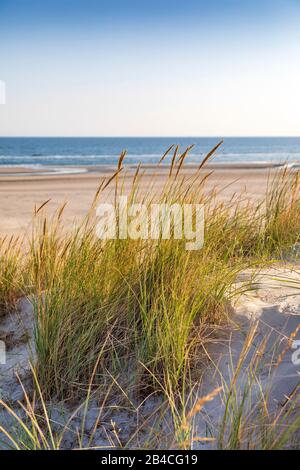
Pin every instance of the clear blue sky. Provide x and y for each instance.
(168, 67)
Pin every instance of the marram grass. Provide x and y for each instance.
(140, 310)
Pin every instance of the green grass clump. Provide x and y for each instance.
(282, 205)
(12, 270)
(141, 310)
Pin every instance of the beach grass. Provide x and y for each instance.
(12, 268)
(140, 312)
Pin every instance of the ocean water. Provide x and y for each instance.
(69, 151)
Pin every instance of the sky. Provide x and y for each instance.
(150, 68)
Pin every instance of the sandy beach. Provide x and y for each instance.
(150, 230)
(23, 188)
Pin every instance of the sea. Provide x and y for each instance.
(39, 152)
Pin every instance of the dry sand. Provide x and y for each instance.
(22, 188)
(273, 303)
